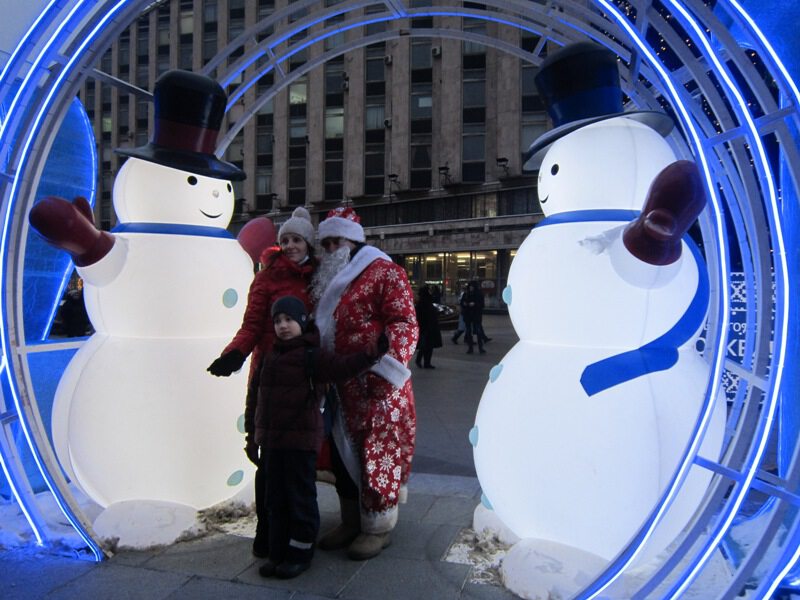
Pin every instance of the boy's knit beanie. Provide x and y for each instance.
(292, 306)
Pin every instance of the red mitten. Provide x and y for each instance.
(70, 226)
(257, 235)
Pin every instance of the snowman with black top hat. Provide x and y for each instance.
(136, 417)
(582, 424)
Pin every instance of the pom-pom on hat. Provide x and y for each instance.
(342, 222)
(293, 307)
(299, 223)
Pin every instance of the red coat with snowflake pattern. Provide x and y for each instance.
(380, 418)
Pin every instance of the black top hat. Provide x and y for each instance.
(579, 85)
(188, 112)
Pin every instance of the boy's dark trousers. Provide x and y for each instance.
(291, 502)
(261, 542)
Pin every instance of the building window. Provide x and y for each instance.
(335, 82)
(337, 39)
(298, 94)
(186, 25)
(420, 162)
(532, 118)
(142, 51)
(334, 122)
(235, 26)
(473, 102)
(263, 188)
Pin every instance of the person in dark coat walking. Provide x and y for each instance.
(289, 430)
(461, 328)
(472, 311)
(430, 336)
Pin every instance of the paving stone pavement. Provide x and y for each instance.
(443, 493)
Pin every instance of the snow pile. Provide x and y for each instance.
(543, 570)
(130, 525)
(483, 550)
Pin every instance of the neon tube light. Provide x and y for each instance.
(3, 344)
(33, 130)
(625, 558)
(782, 316)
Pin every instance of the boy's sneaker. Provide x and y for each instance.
(289, 570)
(268, 569)
(261, 547)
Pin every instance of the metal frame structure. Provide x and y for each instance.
(735, 105)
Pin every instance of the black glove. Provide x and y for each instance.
(227, 364)
(251, 449)
(382, 345)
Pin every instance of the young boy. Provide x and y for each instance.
(289, 430)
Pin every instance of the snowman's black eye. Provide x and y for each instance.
(230, 189)
(192, 180)
(553, 169)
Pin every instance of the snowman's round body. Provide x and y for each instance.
(136, 416)
(566, 449)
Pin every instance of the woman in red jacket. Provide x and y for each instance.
(286, 271)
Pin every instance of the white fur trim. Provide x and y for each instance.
(323, 316)
(345, 447)
(379, 522)
(341, 227)
(392, 370)
(105, 270)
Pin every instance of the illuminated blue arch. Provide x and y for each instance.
(759, 222)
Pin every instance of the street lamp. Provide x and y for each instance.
(502, 163)
(444, 176)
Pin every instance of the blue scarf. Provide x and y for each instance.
(658, 355)
(172, 228)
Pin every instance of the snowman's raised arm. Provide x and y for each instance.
(675, 199)
(70, 226)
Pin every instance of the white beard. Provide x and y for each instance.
(329, 267)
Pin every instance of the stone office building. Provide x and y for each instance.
(421, 134)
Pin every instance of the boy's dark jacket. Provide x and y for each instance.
(287, 414)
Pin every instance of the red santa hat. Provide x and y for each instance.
(342, 222)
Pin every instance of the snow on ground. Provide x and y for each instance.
(543, 570)
(135, 525)
(483, 550)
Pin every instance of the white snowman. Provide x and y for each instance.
(136, 417)
(583, 422)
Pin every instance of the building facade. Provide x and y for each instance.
(421, 135)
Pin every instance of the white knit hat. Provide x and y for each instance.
(342, 222)
(299, 223)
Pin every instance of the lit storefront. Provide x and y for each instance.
(451, 271)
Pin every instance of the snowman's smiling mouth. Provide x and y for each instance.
(542, 201)
(211, 216)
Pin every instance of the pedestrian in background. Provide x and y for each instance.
(436, 294)
(472, 310)
(430, 336)
(461, 328)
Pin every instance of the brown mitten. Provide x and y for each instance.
(675, 199)
(70, 226)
